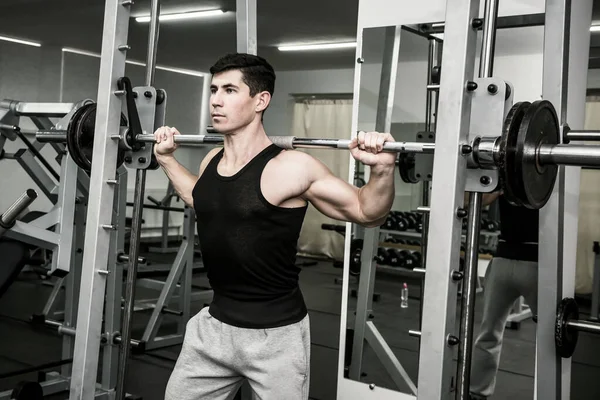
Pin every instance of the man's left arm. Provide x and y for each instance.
(368, 205)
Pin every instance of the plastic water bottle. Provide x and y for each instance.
(404, 296)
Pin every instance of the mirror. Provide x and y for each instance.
(379, 349)
(383, 308)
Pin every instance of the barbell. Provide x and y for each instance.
(527, 153)
(568, 325)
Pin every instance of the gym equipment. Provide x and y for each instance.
(489, 225)
(27, 390)
(568, 325)
(355, 256)
(527, 153)
(8, 218)
(14, 253)
(393, 258)
(80, 136)
(406, 167)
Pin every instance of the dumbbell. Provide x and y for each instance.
(401, 224)
(381, 257)
(393, 258)
(489, 225)
(410, 219)
(418, 257)
(408, 259)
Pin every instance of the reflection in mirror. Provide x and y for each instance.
(396, 95)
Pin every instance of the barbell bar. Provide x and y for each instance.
(546, 154)
(289, 142)
(527, 153)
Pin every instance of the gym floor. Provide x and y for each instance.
(23, 345)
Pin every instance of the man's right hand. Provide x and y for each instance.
(165, 145)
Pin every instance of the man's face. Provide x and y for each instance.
(231, 106)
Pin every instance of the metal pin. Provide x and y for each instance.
(119, 92)
(124, 47)
(127, 3)
(109, 227)
(103, 272)
(115, 137)
(111, 181)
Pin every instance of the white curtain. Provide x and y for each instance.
(589, 210)
(323, 119)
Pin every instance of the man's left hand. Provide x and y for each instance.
(367, 148)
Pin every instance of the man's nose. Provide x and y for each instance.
(216, 100)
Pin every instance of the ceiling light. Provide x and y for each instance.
(318, 46)
(27, 42)
(141, 64)
(180, 16)
(595, 28)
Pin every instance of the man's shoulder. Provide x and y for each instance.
(296, 159)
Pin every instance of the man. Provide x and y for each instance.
(512, 273)
(250, 199)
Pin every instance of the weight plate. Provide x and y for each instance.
(72, 135)
(406, 167)
(355, 256)
(539, 126)
(80, 137)
(27, 391)
(85, 136)
(512, 186)
(565, 339)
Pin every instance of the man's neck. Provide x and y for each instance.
(243, 145)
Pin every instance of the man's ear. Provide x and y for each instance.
(263, 101)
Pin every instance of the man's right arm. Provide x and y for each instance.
(183, 180)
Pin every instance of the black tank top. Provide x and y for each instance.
(519, 231)
(248, 247)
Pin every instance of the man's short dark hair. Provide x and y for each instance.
(257, 73)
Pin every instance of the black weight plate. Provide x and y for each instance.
(406, 167)
(355, 256)
(27, 391)
(539, 126)
(72, 135)
(565, 339)
(84, 138)
(509, 178)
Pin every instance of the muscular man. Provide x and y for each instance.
(250, 199)
(513, 272)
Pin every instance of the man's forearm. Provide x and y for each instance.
(377, 196)
(183, 180)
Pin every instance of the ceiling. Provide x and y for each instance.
(195, 44)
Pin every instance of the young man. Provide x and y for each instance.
(250, 199)
(512, 273)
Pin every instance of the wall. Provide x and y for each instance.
(593, 79)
